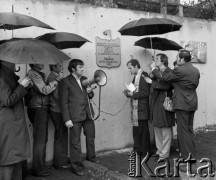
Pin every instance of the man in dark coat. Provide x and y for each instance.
(185, 79)
(14, 136)
(140, 108)
(76, 111)
(162, 120)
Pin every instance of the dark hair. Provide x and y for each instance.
(74, 63)
(134, 62)
(51, 66)
(185, 54)
(174, 63)
(164, 59)
(31, 65)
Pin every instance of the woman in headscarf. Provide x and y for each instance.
(14, 137)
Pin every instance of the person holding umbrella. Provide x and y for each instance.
(37, 101)
(14, 137)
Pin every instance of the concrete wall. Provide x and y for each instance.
(114, 131)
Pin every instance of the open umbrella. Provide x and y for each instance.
(162, 44)
(31, 52)
(11, 20)
(63, 40)
(149, 26)
(12, 39)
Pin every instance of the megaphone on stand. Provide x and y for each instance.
(99, 78)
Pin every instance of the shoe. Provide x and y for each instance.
(44, 173)
(79, 172)
(158, 158)
(49, 168)
(66, 166)
(95, 160)
(183, 167)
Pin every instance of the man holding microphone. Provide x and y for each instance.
(76, 111)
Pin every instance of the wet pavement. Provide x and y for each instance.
(115, 164)
(60, 174)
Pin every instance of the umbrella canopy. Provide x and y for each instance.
(10, 21)
(31, 52)
(149, 26)
(63, 40)
(12, 39)
(162, 44)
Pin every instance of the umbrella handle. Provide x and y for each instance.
(151, 45)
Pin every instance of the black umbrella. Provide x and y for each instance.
(31, 51)
(11, 20)
(162, 44)
(149, 26)
(63, 40)
(12, 39)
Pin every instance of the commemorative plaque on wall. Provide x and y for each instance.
(108, 52)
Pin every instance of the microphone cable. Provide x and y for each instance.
(108, 112)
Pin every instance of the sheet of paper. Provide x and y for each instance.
(130, 87)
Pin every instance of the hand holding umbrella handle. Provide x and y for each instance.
(60, 76)
(26, 82)
(152, 65)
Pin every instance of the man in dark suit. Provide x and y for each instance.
(185, 79)
(140, 108)
(76, 111)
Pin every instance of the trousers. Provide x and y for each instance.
(11, 172)
(141, 138)
(163, 139)
(39, 120)
(60, 140)
(75, 145)
(185, 133)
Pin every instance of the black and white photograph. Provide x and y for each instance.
(107, 89)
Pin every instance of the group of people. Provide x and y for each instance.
(67, 102)
(64, 100)
(179, 85)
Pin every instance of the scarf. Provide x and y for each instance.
(134, 103)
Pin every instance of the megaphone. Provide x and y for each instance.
(100, 78)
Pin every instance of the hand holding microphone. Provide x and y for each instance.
(89, 89)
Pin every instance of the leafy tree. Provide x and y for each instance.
(202, 9)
